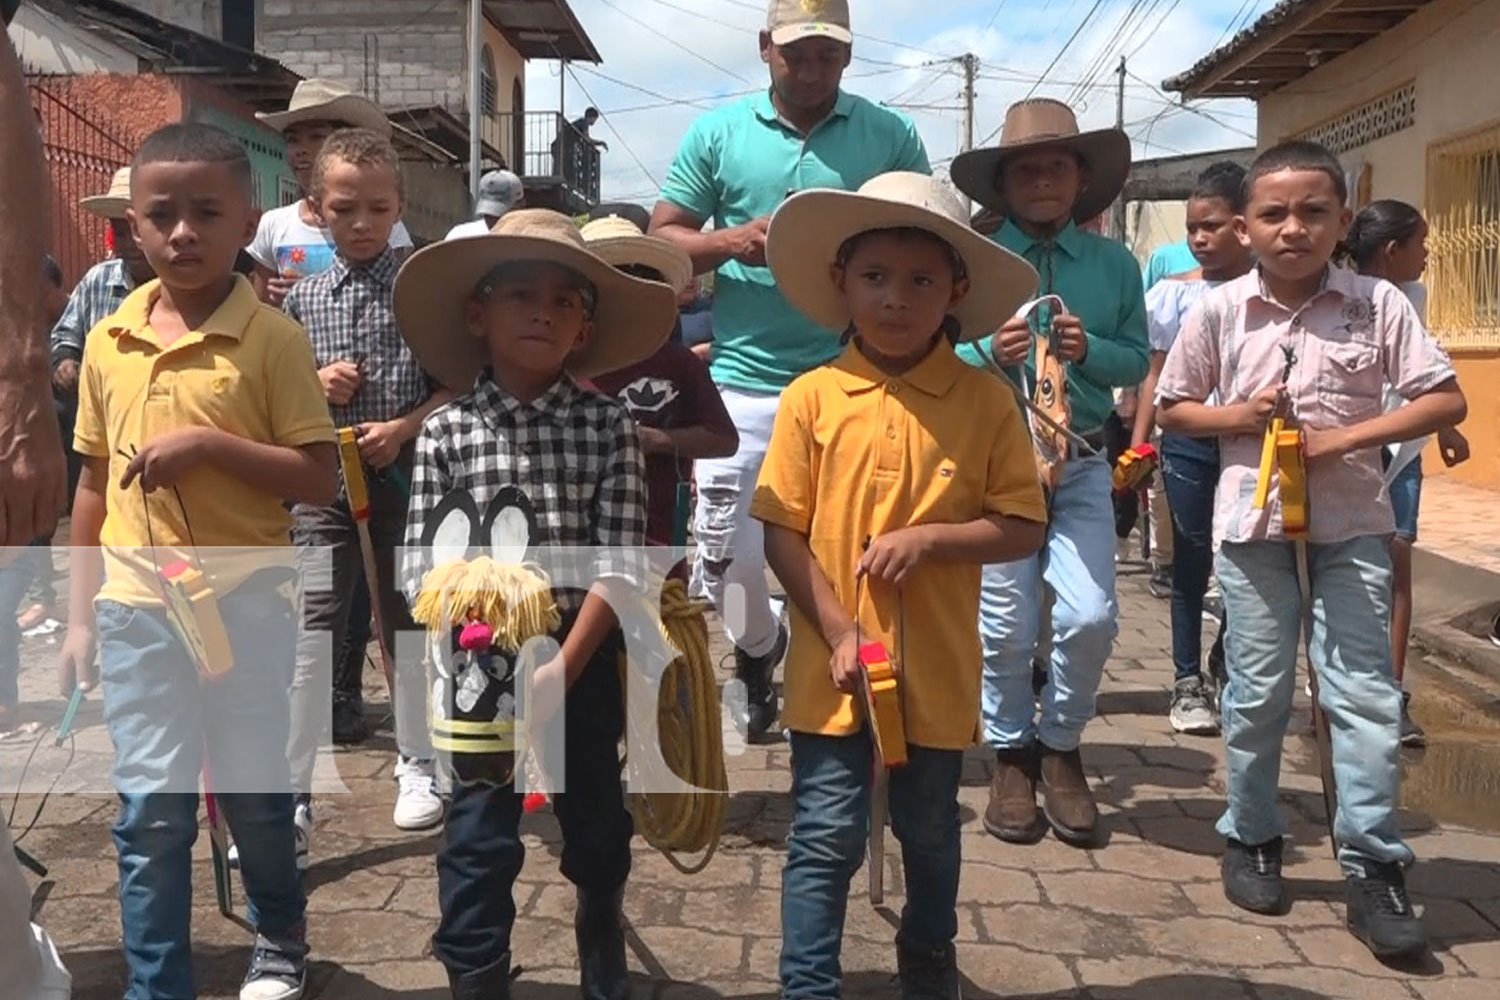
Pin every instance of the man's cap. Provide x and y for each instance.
(791, 21)
(499, 192)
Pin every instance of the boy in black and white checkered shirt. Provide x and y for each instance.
(374, 385)
(525, 463)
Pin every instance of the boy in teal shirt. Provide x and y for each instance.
(1045, 178)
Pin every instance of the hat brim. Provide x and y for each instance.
(1106, 152)
(808, 229)
(105, 206)
(790, 33)
(632, 318)
(675, 266)
(350, 109)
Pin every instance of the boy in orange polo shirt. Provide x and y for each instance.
(893, 473)
(199, 414)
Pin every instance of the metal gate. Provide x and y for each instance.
(82, 155)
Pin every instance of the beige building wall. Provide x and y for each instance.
(1448, 50)
(1152, 224)
(510, 71)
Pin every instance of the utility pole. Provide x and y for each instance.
(1117, 222)
(971, 69)
(476, 101)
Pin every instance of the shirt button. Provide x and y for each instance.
(890, 432)
(892, 388)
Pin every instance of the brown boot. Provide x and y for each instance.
(1012, 814)
(1066, 799)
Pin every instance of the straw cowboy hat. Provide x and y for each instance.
(621, 243)
(324, 101)
(112, 203)
(808, 229)
(1041, 122)
(632, 318)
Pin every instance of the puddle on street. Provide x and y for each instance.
(1456, 779)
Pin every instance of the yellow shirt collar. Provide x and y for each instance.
(934, 374)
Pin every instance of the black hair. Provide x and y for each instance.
(1223, 181)
(950, 328)
(1377, 224)
(51, 271)
(191, 142)
(591, 113)
(1298, 154)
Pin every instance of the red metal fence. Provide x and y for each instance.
(82, 155)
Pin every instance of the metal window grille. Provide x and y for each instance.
(1463, 268)
(487, 92)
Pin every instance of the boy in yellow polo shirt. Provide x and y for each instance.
(893, 473)
(199, 414)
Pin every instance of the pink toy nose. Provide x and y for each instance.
(476, 637)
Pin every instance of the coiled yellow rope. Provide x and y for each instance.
(692, 741)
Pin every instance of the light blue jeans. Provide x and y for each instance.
(1351, 606)
(1078, 563)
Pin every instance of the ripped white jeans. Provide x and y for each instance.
(730, 560)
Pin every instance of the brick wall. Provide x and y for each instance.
(401, 53)
(202, 16)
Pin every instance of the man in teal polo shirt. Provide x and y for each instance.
(735, 166)
(1044, 179)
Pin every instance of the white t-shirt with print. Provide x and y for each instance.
(474, 227)
(290, 247)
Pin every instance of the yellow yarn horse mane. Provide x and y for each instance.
(514, 600)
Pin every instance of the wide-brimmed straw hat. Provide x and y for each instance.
(621, 243)
(112, 203)
(1041, 122)
(632, 317)
(809, 228)
(324, 101)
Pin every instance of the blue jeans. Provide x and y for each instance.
(161, 719)
(1190, 470)
(830, 827)
(1351, 650)
(481, 852)
(1078, 563)
(15, 577)
(1406, 496)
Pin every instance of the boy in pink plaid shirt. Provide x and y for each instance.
(1324, 342)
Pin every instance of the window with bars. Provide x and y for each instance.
(487, 91)
(1463, 268)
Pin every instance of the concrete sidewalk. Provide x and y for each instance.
(1141, 917)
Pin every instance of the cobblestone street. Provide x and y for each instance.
(1142, 916)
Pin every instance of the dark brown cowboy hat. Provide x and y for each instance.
(1039, 122)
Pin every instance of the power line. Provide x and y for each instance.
(672, 41)
(1193, 110)
(1057, 58)
(759, 8)
(755, 32)
(623, 143)
(991, 22)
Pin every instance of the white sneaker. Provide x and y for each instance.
(302, 819)
(418, 806)
(55, 983)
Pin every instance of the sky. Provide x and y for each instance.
(667, 61)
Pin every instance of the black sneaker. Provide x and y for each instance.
(1252, 876)
(760, 694)
(1412, 735)
(278, 969)
(927, 973)
(1495, 629)
(349, 722)
(1380, 914)
(1161, 582)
